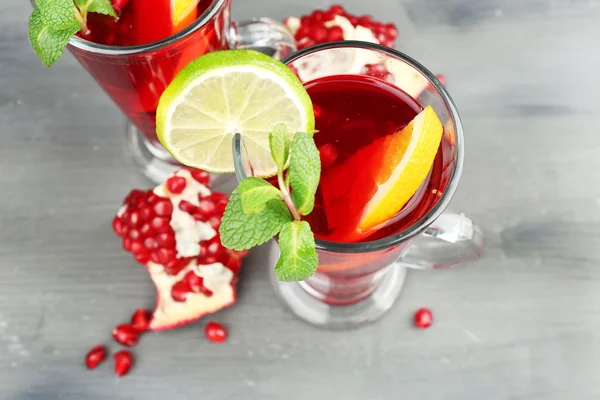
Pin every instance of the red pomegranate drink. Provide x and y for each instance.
(137, 81)
(356, 116)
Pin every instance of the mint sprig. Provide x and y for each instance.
(54, 22)
(257, 210)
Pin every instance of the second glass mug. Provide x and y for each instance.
(356, 283)
(136, 76)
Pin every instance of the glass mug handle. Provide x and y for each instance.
(263, 34)
(452, 240)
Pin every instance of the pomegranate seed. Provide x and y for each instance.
(215, 332)
(174, 266)
(391, 31)
(123, 362)
(201, 176)
(145, 229)
(176, 184)
(188, 207)
(302, 32)
(134, 219)
(328, 155)
(381, 38)
(180, 290)
(206, 208)
(150, 243)
(378, 27)
(165, 255)
(353, 20)
(317, 16)
(328, 15)
(95, 356)
(134, 234)
(335, 34)
(140, 320)
(166, 239)
(305, 21)
(234, 264)
(366, 21)
(196, 284)
(163, 208)
(318, 33)
(137, 247)
(215, 223)
(218, 197)
(317, 110)
(210, 260)
(127, 242)
(142, 258)
(152, 199)
(117, 226)
(161, 225)
(305, 43)
(203, 250)
(337, 9)
(146, 213)
(126, 335)
(423, 318)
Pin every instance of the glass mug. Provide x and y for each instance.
(135, 76)
(356, 283)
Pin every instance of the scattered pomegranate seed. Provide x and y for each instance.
(123, 362)
(126, 335)
(95, 356)
(423, 318)
(176, 184)
(140, 320)
(215, 332)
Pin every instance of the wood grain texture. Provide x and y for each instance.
(521, 324)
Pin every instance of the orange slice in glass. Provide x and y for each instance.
(183, 13)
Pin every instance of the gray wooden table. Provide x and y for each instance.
(521, 324)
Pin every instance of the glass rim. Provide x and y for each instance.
(433, 214)
(202, 20)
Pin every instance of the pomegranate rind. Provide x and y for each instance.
(170, 314)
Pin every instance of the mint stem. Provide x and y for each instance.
(286, 196)
(83, 18)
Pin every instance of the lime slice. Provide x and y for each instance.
(226, 92)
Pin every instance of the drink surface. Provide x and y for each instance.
(135, 82)
(144, 21)
(354, 115)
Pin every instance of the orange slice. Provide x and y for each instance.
(406, 163)
(183, 12)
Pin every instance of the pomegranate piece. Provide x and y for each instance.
(423, 318)
(140, 320)
(125, 335)
(335, 24)
(123, 362)
(215, 332)
(95, 356)
(173, 230)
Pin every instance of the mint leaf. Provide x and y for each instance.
(305, 172)
(255, 193)
(279, 143)
(298, 258)
(102, 7)
(48, 42)
(240, 231)
(57, 14)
